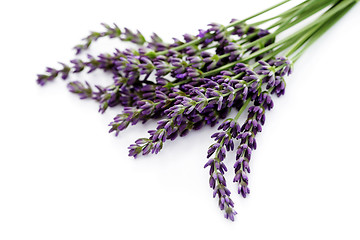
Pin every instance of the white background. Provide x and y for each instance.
(62, 176)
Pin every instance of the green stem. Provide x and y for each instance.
(312, 4)
(326, 26)
(300, 15)
(281, 15)
(323, 18)
(288, 13)
(278, 50)
(257, 14)
(302, 40)
(182, 46)
(196, 41)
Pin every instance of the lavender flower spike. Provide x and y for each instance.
(111, 32)
(253, 125)
(224, 142)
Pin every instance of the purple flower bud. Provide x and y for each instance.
(141, 141)
(244, 178)
(219, 103)
(212, 182)
(246, 166)
(222, 191)
(222, 154)
(215, 191)
(223, 168)
(243, 190)
(249, 78)
(147, 149)
(212, 149)
(222, 179)
(217, 165)
(237, 176)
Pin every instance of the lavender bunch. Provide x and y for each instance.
(199, 81)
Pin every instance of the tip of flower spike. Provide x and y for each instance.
(134, 150)
(78, 48)
(41, 79)
(230, 213)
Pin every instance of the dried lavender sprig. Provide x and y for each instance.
(80, 89)
(52, 73)
(104, 61)
(169, 128)
(224, 142)
(111, 32)
(249, 129)
(272, 72)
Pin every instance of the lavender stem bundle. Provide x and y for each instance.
(197, 81)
